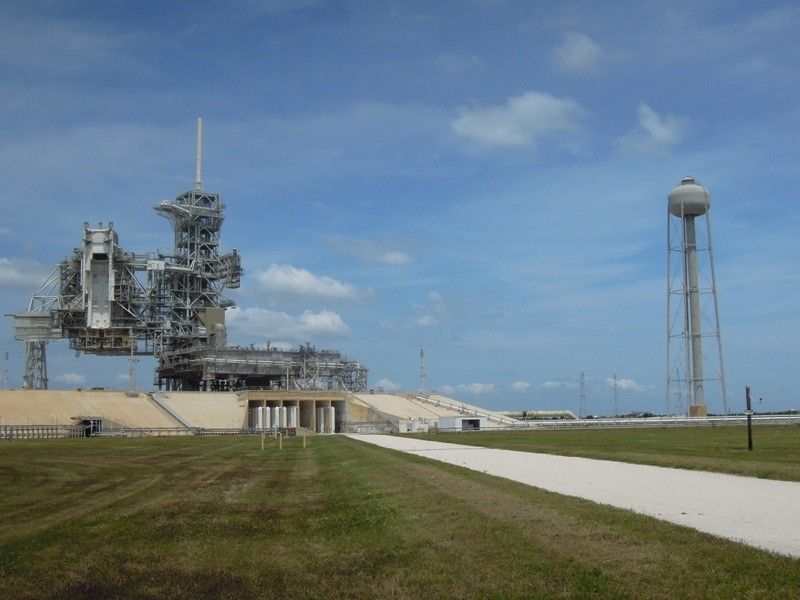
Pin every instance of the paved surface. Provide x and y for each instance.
(759, 512)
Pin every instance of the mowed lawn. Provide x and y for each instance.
(214, 517)
(776, 453)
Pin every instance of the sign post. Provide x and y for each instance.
(749, 413)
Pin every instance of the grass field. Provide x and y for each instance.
(776, 453)
(214, 517)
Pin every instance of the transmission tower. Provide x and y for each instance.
(5, 370)
(582, 397)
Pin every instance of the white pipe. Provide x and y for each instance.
(320, 420)
(694, 311)
(331, 420)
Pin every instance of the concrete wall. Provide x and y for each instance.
(45, 407)
(209, 409)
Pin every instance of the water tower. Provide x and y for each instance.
(694, 374)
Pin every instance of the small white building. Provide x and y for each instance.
(462, 423)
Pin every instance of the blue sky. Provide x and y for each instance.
(484, 179)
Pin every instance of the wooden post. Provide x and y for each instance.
(280, 442)
(304, 440)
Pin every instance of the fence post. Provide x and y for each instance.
(749, 413)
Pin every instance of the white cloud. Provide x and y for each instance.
(263, 323)
(71, 378)
(387, 385)
(475, 389)
(655, 133)
(20, 272)
(65, 46)
(430, 313)
(520, 386)
(287, 280)
(628, 385)
(578, 53)
(552, 384)
(457, 64)
(123, 376)
(426, 321)
(370, 251)
(395, 258)
(523, 121)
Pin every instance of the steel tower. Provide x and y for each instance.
(691, 287)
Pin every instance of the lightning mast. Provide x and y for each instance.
(422, 372)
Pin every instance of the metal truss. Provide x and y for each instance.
(109, 302)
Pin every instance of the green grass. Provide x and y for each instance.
(724, 449)
(214, 517)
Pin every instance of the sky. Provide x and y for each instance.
(486, 180)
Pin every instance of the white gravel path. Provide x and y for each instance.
(759, 512)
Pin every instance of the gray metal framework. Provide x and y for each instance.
(109, 302)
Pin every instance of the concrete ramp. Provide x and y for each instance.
(51, 407)
(206, 410)
(415, 408)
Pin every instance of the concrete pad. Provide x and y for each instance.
(758, 512)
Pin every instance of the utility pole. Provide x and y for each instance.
(422, 372)
(616, 396)
(749, 413)
(582, 397)
(5, 370)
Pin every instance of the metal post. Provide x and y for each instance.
(749, 413)
(669, 313)
(716, 316)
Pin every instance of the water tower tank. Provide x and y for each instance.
(689, 199)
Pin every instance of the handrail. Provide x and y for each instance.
(463, 409)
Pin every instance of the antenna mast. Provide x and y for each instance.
(422, 371)
(582, 397)
(198, 158)
(616, 397)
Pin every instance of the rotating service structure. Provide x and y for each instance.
(106, 301)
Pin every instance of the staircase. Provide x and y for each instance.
(161, 400)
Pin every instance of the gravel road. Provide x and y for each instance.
(759, 512)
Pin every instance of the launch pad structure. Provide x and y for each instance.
(109, 302)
